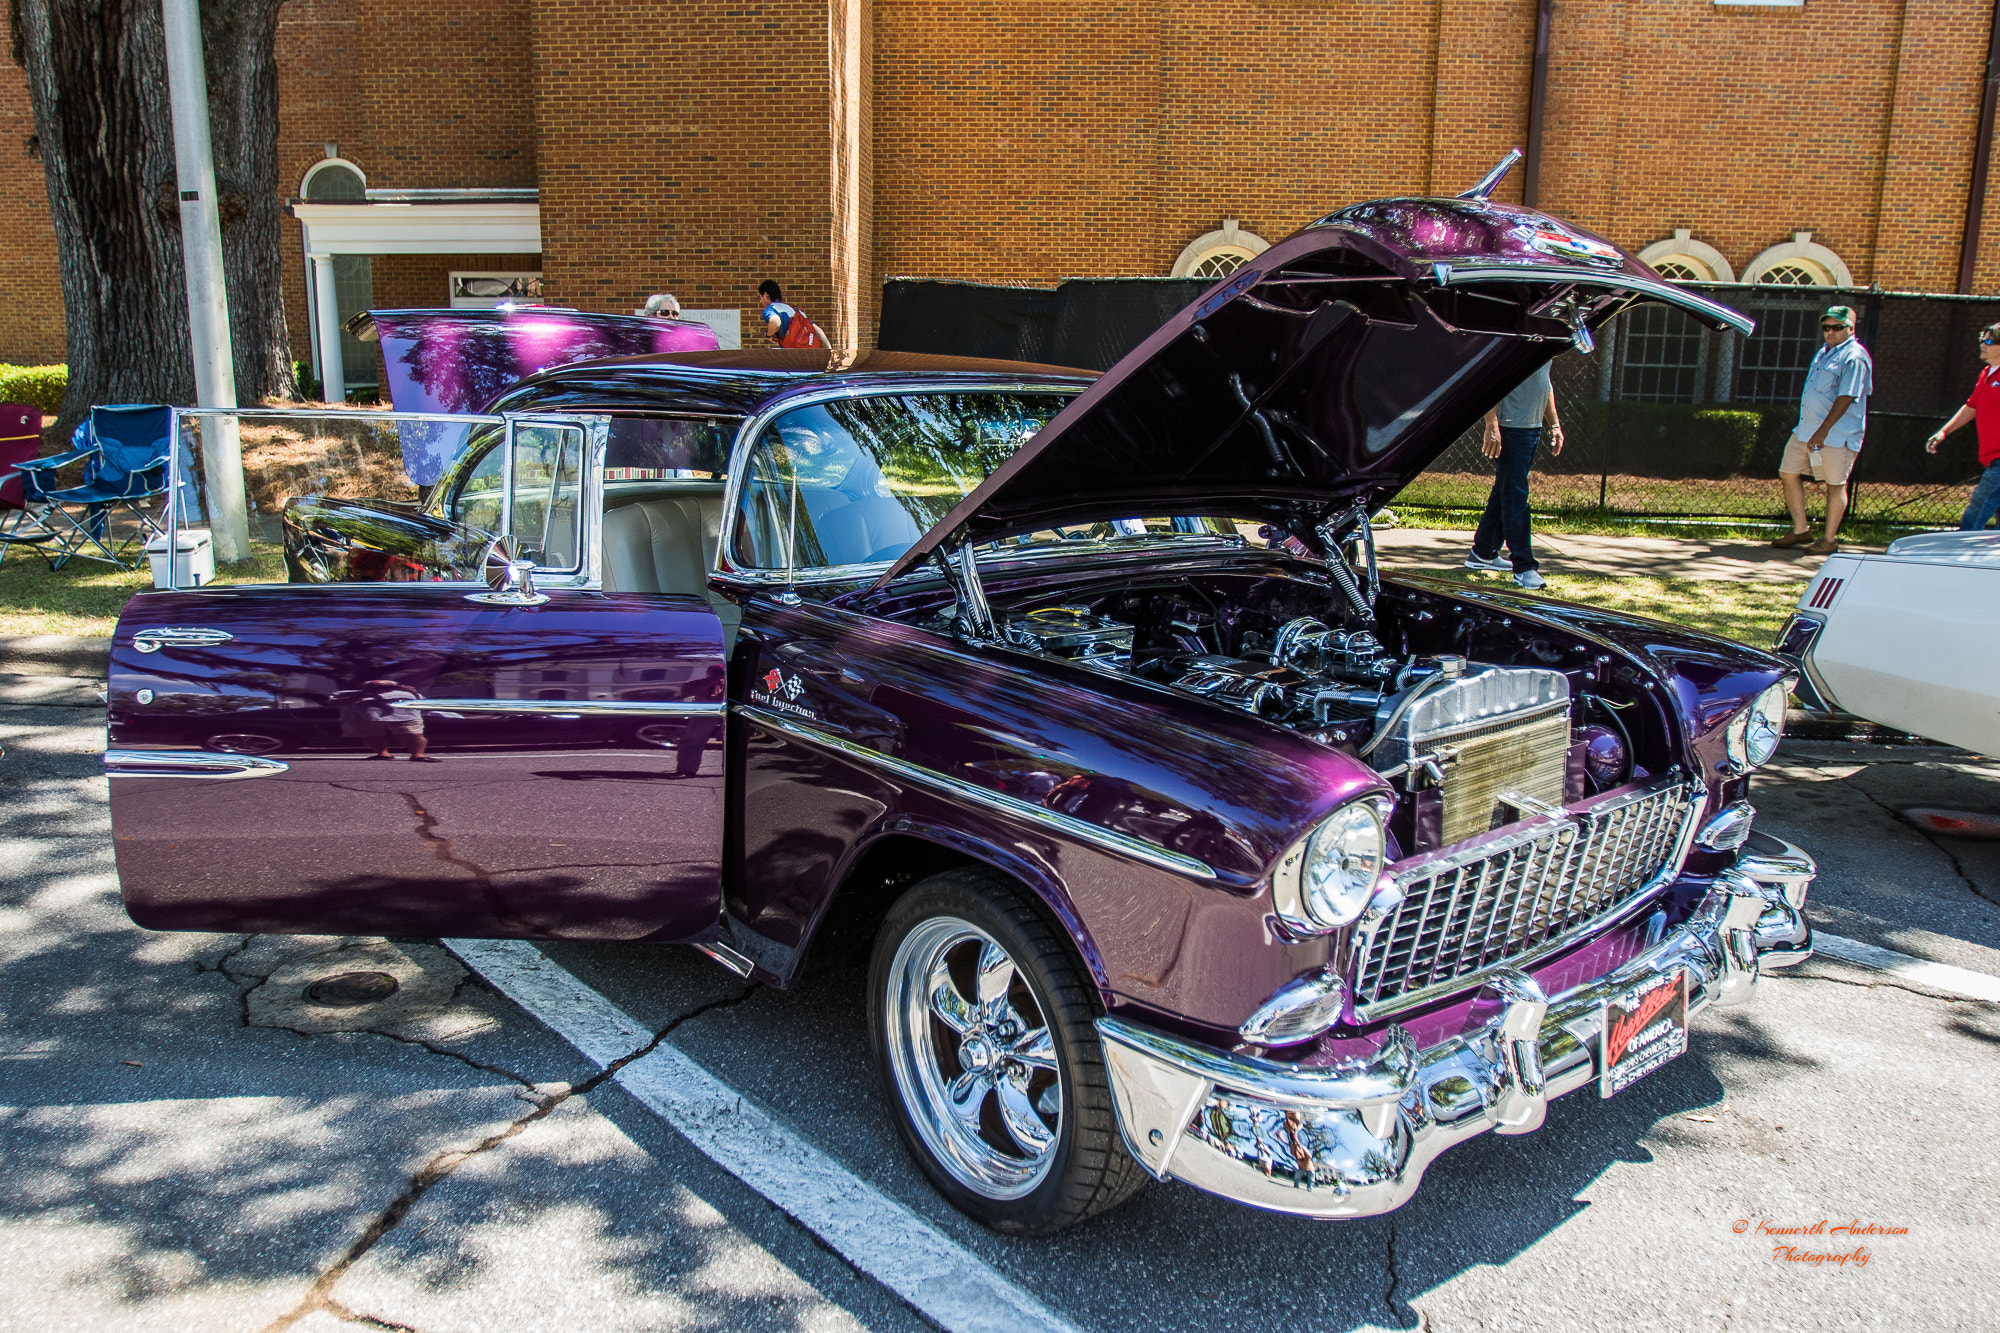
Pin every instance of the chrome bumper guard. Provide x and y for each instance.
(1353, 1140)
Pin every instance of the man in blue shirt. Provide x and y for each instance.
(1833, 414)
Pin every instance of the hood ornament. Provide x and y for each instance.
(1484, 190)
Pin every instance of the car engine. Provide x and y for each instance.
(1473, 745)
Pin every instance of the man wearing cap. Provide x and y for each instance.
(1833, 413)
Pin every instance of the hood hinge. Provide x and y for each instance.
(961, 571)
(1341, 569)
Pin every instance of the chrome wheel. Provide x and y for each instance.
(973, 1059)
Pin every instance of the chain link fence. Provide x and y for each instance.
(1666, 419)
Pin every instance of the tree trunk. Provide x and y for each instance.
(97, 83)
(239, 40)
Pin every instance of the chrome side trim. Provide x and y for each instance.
(209, 764)
(1659, 289)
(1013, 806)
(571, 707)
(473, 418)
(179, 636)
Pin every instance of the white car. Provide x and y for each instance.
(1909, 639)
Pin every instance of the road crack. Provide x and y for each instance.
(1886, 984)
(1401, 1313)
(498, 1071)
(1957, 866)
(349, 1315)
(442, 1165)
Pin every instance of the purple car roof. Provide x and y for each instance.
(742, 382)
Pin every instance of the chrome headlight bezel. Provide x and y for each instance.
(1326, 879)
(1752, 737)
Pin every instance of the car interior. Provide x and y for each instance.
(660, 537)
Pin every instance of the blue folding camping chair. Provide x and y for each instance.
(123, 449)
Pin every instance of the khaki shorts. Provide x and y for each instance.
(1833, 466)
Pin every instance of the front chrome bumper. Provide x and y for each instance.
(1353, 1140)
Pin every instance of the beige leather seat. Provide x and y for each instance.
(667, 545)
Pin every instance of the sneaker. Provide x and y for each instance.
(1530, 580)
(1478, 561)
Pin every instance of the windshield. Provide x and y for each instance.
(858, 480)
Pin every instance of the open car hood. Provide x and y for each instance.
(460, 360)
(1324, 374)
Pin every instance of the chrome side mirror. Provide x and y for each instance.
(511, 578)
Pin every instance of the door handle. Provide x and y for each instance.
(208, 764)
(178, 636)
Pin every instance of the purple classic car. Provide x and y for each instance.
(1188, 845)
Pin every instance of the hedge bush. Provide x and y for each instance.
(39, 386)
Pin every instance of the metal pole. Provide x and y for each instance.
(1982, 150)
(1538, 96)
(208, 305)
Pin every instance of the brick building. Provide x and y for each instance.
(611, 150)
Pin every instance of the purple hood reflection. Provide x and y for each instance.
(455, 361)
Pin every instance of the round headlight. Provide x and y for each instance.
(1753, 734)
(1765, 725)
(1343, 861)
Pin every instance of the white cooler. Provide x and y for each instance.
(193, 556)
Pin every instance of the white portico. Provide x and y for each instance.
(402, 222)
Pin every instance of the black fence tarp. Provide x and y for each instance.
(1664, 419)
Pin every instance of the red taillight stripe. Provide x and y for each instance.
(1823, 595)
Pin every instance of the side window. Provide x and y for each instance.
(477, 503)
(548, 491)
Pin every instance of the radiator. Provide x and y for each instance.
(1494, 732)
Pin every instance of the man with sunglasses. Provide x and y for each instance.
(1833, 412)
(1984, 406)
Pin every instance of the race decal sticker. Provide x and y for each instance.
(1642, 1030)
(779, 690)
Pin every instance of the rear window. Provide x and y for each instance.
(654, 448)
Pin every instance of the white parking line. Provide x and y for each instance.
(939, 1277)
(1935, 976)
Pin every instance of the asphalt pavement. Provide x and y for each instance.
(185, 1142)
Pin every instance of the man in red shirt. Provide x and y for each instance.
(1984, 406)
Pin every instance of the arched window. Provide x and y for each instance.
(1218, 253)
(1799, 263)
(333, 178)
(1681, 258)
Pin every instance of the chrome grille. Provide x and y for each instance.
(1468, 909)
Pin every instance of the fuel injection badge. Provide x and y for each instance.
(781, 691)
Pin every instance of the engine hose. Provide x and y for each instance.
(1611, 716)
(1382, 732)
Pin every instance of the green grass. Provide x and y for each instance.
(1753, 501)
(1751, 613)
(84, 597)
(1598, 523)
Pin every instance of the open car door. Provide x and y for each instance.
(419, 754)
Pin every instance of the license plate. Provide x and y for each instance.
(1642, 1030)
